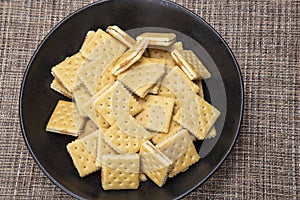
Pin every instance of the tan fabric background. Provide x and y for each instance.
(264, 36)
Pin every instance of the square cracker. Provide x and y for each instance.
(90, 72)
(95, 116)
(105, 80)
(120, 171)
(121, 142)
(159, 136)
(118, 105)
(159, 54)
(104, 104)
(188, 158)
(168, 63)
(63, 119)
(130, 57)
(120, 35)
(157, 113)
(142, 76)
(205, 121)
(163, 91)
(190, 64)
(212, 132)
(160, 39)
(191, 107)
(58, 87)
(88, 37)
(190, 83)
(176, 45)
(180, 75)
(102, 43)
(66, 71)
(154, 163)
(83, 153)
(95, 39)
(103, 149)
(175, 145)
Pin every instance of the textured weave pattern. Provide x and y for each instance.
(264, 36)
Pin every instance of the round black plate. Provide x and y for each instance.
(37, 101)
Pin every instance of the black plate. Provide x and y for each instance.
(37, 101)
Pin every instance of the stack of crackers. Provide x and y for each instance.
(136, 107)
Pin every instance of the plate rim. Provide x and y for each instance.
(185, 10)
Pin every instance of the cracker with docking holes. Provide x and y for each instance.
(126, 122)
(63, 119)
(157, 113)
(189, 86)
(58, 87)
(154, 163)
(188, 158)
(103, 149)
(100, 44)
(95, 116)
(110, 50)
(159, 54)
(131, 56)
(105, 80)
(168, 63)
(159, 39)
(88, 37)
(120, 171)
(121, 142)
(104, 103)
(175, 145)
(141, 77)
(83, 153)
(192, 114)
(159, 136)
(212, 132)
(163, 91)
(185, 92)
(66, 71)
(120, 35)
(190, 64)
(205, 120)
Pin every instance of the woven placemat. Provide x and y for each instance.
(264, 36)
